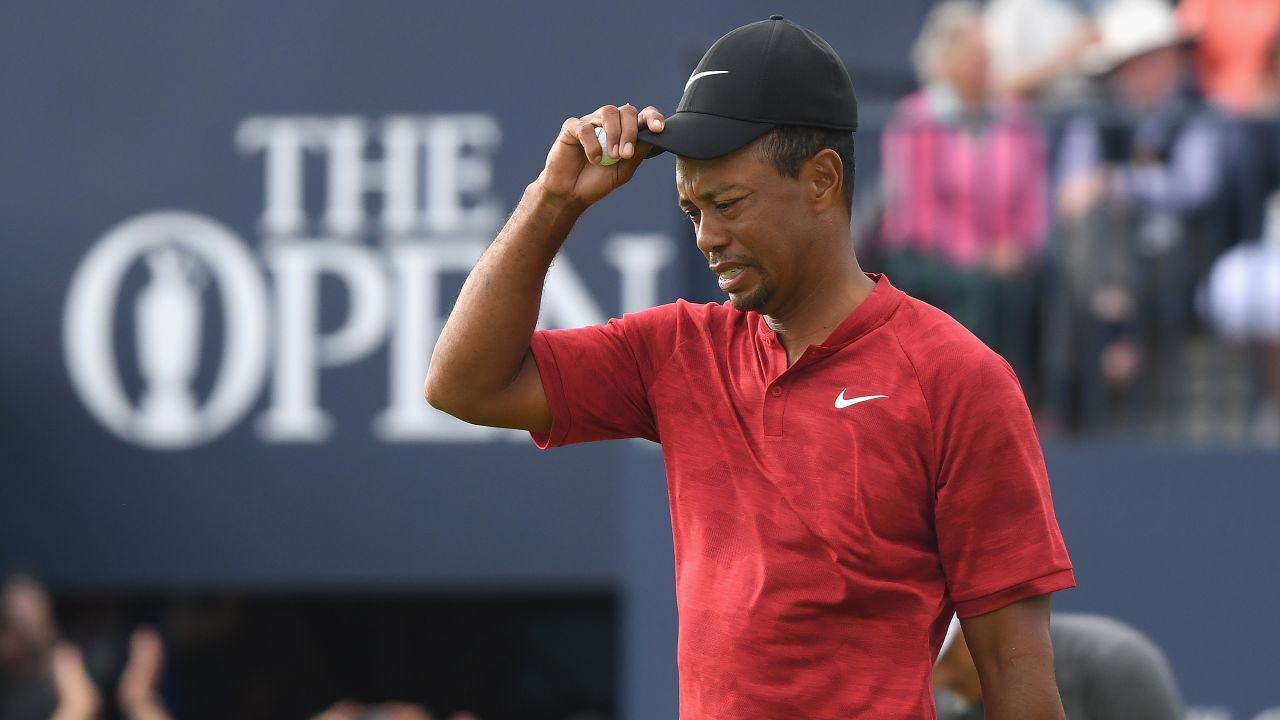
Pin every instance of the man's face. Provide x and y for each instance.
(964, 62)
(1148, 79)
(754, 226)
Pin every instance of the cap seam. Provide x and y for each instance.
(765, 72)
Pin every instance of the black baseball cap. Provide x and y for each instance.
(755, 78)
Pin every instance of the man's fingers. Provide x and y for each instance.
(569, 131)
(611, 121)
(586, 136)
(627, 137)
(653, 119)
(620, 125)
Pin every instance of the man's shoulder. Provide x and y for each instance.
(936, 343)
(671, 316)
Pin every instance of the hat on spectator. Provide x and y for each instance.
(1130, 28)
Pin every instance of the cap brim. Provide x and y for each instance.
(701, 136)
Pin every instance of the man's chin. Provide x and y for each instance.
(753, 300)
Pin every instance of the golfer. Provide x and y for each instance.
(846, 465)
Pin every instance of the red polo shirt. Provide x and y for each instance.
(827, 516)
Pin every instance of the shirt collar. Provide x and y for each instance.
(870, 314)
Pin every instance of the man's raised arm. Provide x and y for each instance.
(482, 370)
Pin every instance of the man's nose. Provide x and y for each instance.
(711, 235)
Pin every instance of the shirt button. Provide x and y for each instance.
(776, 391)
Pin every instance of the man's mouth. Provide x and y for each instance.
(732, 277)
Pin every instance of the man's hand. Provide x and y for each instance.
(78, 697)
(1014, 656)
(138, 692)
(482, 370)
(573, 172)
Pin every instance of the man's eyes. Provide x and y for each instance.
(722, 206)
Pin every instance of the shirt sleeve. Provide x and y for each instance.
(597, 378)
(998, 537)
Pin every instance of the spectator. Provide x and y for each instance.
(1243, 294)
(1255, 160)
(1138, 179)
(138, 694)
(1036, 48)
(1234, 39)
(1105, 670)
(28, 637)
(964, 178)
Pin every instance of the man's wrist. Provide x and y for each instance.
(543, 201)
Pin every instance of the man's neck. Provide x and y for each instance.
(811, 318)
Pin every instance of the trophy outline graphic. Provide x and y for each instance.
(184, 252)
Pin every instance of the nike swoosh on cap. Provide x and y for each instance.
(695, 76)
(842, 403)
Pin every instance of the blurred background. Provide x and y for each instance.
(231, 235)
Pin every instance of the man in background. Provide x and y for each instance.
(1139, 180)
(1106, 670)
(965, 186)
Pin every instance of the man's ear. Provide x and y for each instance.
(823, 176)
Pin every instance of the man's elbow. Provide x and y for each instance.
(435, 391)
(451, 396)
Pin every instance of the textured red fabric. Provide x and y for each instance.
(820, 550)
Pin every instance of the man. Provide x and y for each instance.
(1106, 670)
(1140, 192)
(845, 464)
(965, 185)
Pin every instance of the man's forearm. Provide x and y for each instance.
(485, 340)
(1022, 688)
(1013, 653)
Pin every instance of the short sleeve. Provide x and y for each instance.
(597, 378)
(998, 537)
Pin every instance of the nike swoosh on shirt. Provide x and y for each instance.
(695, 76)
(842, 402)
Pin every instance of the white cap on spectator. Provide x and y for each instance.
(1242, 292)
(1129, 28)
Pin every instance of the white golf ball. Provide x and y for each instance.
(604, 148)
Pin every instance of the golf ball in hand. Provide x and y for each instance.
(604, 148)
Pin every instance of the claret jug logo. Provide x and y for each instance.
(215, 322)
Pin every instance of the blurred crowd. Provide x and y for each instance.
(43, 675)
(101, 658)
(1093, 188)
